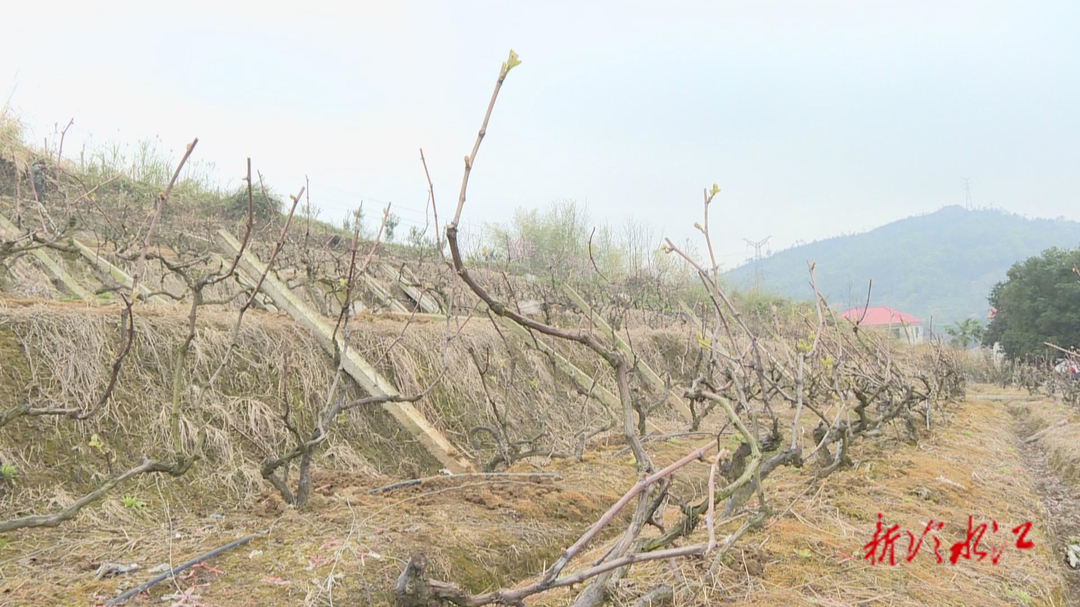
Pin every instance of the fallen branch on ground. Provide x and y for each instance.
(182, 566)
(420, 481)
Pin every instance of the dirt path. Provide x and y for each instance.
(969, 466)
(1048, 438)
(349, 545)
(1062, 504)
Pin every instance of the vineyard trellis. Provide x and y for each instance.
(827, 360)
(821, 380)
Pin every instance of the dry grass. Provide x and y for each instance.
(1059, 426)
(59, 355)
(64, 354)
(969, 466)
(25, 278)
(479, 533)
(814, 554)
(485, 534)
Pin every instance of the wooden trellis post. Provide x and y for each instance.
(646, 371)
(581, 379)
(382, 295)
(426, 302)
(359, 369)
(119, 275)
(51, 265)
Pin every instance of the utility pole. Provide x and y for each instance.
(757, 259)
(967, 193)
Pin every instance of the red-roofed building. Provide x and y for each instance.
(898, 324)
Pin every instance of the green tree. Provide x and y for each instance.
(392, 222)
(550, 242)
(1038, 302)
(965, 332)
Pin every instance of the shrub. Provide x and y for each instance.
(266, 207)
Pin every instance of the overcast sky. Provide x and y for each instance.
(814, 121)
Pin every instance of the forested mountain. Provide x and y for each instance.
(942, 264)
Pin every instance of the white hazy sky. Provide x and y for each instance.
(816, 118)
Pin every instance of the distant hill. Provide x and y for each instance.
(943, 263)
